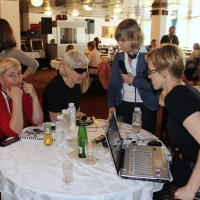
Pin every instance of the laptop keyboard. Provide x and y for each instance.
(141, 163)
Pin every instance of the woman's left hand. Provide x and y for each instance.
(29, 89)
(128, 78)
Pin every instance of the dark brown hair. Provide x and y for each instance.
(7, 39)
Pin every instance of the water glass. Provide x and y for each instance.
(119, 120)
(90, 152)
(67, 173)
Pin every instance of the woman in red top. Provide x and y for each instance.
(16, 96)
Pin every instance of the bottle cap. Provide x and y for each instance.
(64, 111)
(137, 109)
(71, 105)
(59, 116)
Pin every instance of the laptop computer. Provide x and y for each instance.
(137, 162)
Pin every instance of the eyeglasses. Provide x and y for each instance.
(151, 71)
(80, 70)
(148, 72)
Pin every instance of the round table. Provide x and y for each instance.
(30, 170)
(55, 64)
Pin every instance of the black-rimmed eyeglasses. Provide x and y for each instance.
(148, 72)
(80, 70)
(151, 71)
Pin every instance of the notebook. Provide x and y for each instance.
(137, 162)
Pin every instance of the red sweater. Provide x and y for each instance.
(5, 130)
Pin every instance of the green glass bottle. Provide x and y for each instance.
(82, 140)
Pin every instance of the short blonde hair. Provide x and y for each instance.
(6, 63)
(130, 30)
(72, 59)
(168, 56)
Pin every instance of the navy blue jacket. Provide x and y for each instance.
(149, 96)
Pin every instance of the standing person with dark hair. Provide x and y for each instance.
(127, 91)
(97, 41)
(170, 38)
(8, 49)
(166, 67)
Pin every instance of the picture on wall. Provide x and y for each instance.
(108, 31)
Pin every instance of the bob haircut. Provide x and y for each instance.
(129, 30)
(6, 63)
(7, 39)
(72, 59)
(168, 56)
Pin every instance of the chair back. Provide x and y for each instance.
(191, 70)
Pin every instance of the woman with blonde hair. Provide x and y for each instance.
(166, 67)
(127, 91)
(16, 97)
(65, 87)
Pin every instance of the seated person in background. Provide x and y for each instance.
(69, 47)
(166, 67)
(16, 97)
(52, 41)
(93, 57)
(8, 48)
(153, 44)
(195, 53)
(98, 41)
(65, 87)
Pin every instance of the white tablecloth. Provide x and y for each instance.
(32, 171)
(36, 54)
(55, 64)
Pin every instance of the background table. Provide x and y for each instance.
(30, 170)
(55, 64)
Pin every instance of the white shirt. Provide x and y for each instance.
(128, 92)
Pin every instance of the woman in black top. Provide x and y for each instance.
(65, 87)
(166, 66)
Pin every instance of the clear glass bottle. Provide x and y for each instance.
(137, 120)
(72, 113)
(66, 122)
(61, 136)
(82, 140)
(48, 141)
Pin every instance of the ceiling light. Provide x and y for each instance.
(75, 13)
(36, 3)
(88, 6)
(48, 11)
(117, 8)
(147, 3)
(115, 16)
(174, 5)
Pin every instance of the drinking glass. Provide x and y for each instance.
(90, 152)
(119, 120)
(67, 173)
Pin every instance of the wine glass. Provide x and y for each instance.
(67, 173)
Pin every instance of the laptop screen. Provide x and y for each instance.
(114, 142)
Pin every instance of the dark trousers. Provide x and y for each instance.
(149, 117)
(181, 172)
